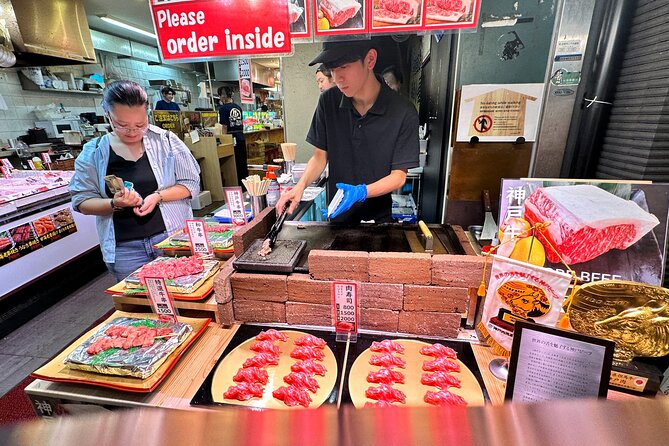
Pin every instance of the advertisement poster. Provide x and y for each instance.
(168, 120)
(450, 14)
(602, 230)
(195, 30)
(245, 81)
(394, 15)
(422, 15)
(499, 112)
(340, 17)
(298, 16)
(25, 238)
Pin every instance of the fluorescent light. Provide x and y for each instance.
(119, 23)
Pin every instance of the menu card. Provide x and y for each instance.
(548, 364)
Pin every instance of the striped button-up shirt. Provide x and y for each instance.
(171, 162)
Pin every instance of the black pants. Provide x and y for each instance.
(241, 162)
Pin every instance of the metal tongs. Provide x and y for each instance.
(276, 228)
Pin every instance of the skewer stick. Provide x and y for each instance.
(341, 381)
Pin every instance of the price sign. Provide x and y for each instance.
(235, 199)
(345, 307)
(7, 164)
(160, 299)
(198, 237)
(31, 165)
(5, 172)
(46, 158)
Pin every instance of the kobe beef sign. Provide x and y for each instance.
(190, 30)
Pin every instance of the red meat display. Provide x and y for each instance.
(447, 10)
(307, 353)
(339, 11)
(386, 346)
(261, 360)
(310, 341)
(309, 366)
(385, 376)
(244, 391)
(118, 336)
(444, 398)
(387, 360)
(386, 393)
(302, 381)
(271, 335)
(442, 380)
(266, 347)
(292, 396)
(586, 221)
(438, 351)
(252, 375)
(441, 365)
(172, 268)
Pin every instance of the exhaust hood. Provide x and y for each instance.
(48, 32)
(227, 71)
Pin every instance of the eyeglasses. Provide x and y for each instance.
(127, 129)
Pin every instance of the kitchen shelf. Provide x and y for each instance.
(27, 84)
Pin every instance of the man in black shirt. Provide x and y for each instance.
(230, 116)
(367, 132)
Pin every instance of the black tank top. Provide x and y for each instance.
(127, 225)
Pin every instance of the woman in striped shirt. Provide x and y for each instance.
(163, 173)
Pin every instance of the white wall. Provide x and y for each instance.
(300, 96)
(19, 117)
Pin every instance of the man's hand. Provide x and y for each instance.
(352, 195)
(127, 198)
(150, 203)
(293, 197)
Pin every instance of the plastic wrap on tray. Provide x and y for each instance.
(139, 362)
(180, 285)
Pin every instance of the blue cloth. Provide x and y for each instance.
(132, 254)
(164, 105)
(171, 162)
(352, 195)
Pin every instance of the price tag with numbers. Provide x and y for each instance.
(31, 165)
(160, 299)
(235, 198)
(199, 244)
(6, 163)
(345, 307)
(46, 158)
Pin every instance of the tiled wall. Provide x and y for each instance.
(19, 117)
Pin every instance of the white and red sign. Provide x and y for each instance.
(204, 29)
(160, 299)
(245, 81)
(199, 244)
(7, 163)
(46, 158)
(345, 307)
(235, 198)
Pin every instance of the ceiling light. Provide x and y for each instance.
(121, 24)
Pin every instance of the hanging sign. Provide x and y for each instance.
(298, 17)
(206, 29)
(245, 81)
(336, 17)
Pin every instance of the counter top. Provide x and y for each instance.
(264, 130)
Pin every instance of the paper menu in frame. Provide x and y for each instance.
(450, 14)
(340, 17)
(548, 364)
(245, 81)
(395, 15)
(299, 14)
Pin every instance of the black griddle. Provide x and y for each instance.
(282, 259)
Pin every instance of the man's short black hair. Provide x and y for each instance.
(395, 72)
(166, 90)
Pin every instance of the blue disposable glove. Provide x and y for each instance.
(352, 195)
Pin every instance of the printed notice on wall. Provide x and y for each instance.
(548, 364)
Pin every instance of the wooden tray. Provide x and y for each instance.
(56, 370)
(231, 364)
(415, 391)
(200, 293)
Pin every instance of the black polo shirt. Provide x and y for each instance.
(364, 149)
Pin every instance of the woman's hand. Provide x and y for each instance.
(150, 203)
(127, 199)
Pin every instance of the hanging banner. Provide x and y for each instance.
(450, 14)
(298, 17)
(422, 15)
(245, 81)
(337, 17)
(207, 29)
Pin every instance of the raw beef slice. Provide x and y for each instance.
(396, 11)
(339, 11)
(447, 10)
(294, 12)
(586, 221)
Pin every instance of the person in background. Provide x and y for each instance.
(324, 78)
(393, 78)
(164, 175)
(167, 102)
(230, 117)
(367, 133)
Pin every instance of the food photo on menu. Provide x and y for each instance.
(440, 11)
(396, 13)
(340, 14)
(297, 16)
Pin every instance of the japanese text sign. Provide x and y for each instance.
(46, 158)
(345, 307)
(160, 299)
(7, 163)
(197, 234)
(245, 81)
(202, 29)
(235, 199)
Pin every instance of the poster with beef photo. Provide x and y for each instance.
(396, 15)
(337, 17)
(602, 230)
(298, 16)
(450, 14)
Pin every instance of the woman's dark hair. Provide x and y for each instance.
(125, 93)
(395, 72)
(326, 71)
(166, 90)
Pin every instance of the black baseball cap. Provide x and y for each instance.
(335, 54)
